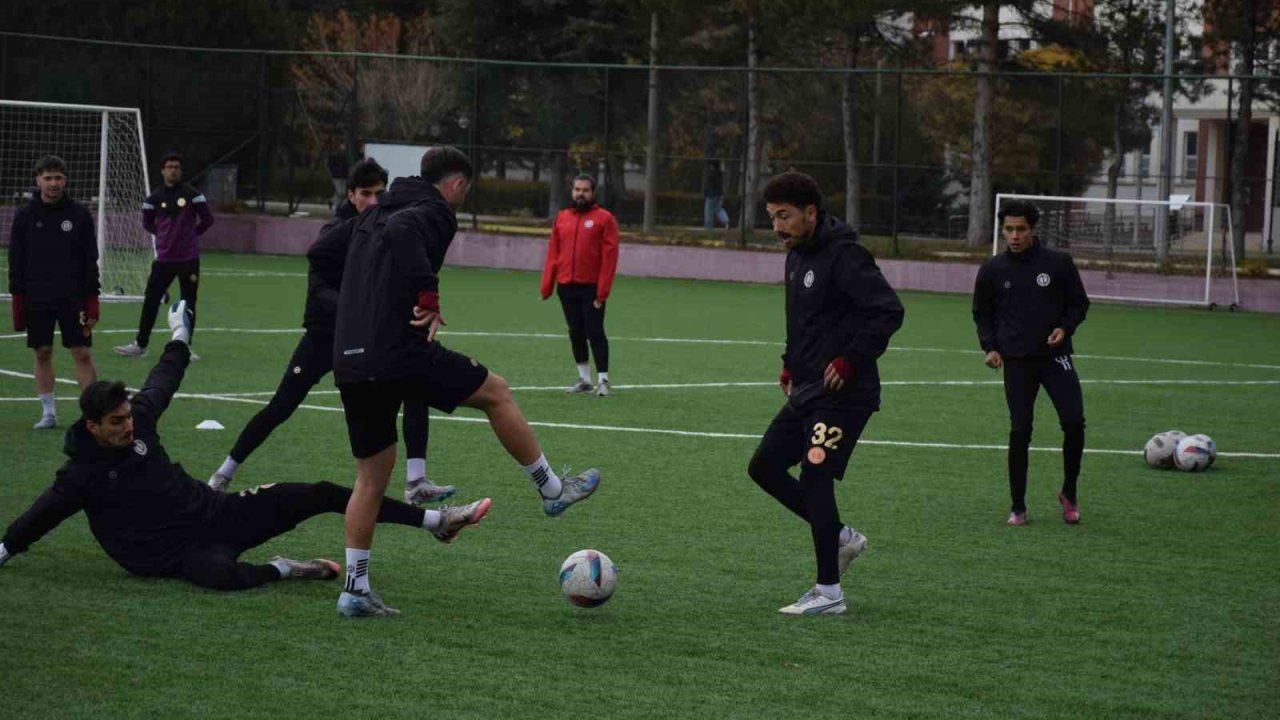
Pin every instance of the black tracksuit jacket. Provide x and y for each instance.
(144, 510)
(53, 252)
(838, 304)
(393, 252)
(1019, 298)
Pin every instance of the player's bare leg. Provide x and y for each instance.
(506, 419)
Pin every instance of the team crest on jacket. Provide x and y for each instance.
(808, 279)
(1042, 279)
(66, 226)
(182, 202)
(139, 447)
(589, 223)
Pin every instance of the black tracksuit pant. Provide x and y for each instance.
(162, 275)
(586, 323)
(259, 514)
(1022, 381)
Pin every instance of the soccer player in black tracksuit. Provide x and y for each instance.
(153, 518)
(1027, 303)
(840, 315)
(53, 277)
(385, 353)
(313, 357)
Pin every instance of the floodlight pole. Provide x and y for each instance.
(1166, 139)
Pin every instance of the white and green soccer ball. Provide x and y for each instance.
(1195, 452)
(588, 578)
(1160, 448)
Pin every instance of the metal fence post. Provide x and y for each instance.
(897, 159)
(1057, 182)
(263, 113)
(473, 132)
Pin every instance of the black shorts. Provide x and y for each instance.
(41, 318)
(823, 436)
(371, 407)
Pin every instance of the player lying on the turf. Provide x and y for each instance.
(155, 520)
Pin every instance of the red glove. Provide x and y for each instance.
(784, 379)
(91, 311)
(19, 312)
(842, 368)
(429, 301)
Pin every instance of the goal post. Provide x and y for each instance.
(1114, 242)
(106, 172)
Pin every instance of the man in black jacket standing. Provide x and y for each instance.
(53, 277)
(1027, 303)
(154, 519)
(312, 359)
(840, 315)
(385, 353)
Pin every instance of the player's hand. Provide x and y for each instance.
(430, 319)
(834, 377)
(1057, 337)
(598, 304)
(91, 312)
(4, 554)
(19, 304)
(993, 360)
(784, 380)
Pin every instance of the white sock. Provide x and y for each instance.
(431, 520)
(602, 377)
(47, 404)
(357, 570)
(830, 592)
(282, 565)
(229, 468)
(584, 372)
(543, 477)
(415, 468)
(846, 535)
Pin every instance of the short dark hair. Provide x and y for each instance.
(441, 162)
(1022, 209)
(366, 173)
(102, 397)
(50, 162)
(794, 188)
(587, 177)
(170, 156)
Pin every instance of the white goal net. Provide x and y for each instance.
(107, 173)
(1117, 247)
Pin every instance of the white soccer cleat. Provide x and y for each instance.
(219, 482)
(582, 386)
(603, 388)
(851, 551)
(572, 490)
(363, 604)
(455, 518)
(421, 490)
(318, 569)
(814, 603)
(133, 349)
(47, 422)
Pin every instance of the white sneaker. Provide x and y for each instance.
(851, 551)
(814, 603)
(219, 482)
(421, 490)
(367, 604)
(133, 349)
(47, 422)
(603, 388)
(582, 386)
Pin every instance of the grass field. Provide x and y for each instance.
(1162, 603)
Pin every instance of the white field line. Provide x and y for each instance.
(680, 433)
(714, 341)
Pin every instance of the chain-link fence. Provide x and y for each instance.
(901, 136)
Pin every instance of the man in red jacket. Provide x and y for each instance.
(582, 259)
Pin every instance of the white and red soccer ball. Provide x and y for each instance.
(588, 578)
(1194, 452)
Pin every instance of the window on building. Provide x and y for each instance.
(1144, 164)
(1190, 157)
